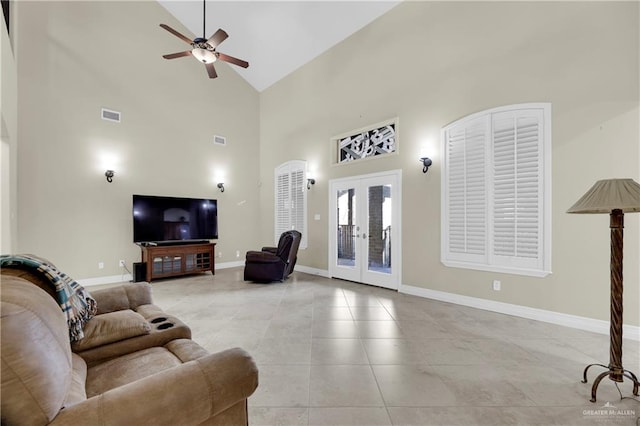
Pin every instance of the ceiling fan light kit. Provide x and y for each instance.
(204, 50)
(203, 55)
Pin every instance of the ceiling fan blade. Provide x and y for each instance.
(211, 70)
(177, 55)
(232, 60)
(175, 33)
(217, 38)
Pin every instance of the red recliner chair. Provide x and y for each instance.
(273, 263)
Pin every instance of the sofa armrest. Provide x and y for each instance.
(188, 394)
(262, 257)
(126, 296)
(273, 250)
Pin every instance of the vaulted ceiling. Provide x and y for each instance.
(275, 37)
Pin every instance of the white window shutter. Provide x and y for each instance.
(291, 199)
(282, 204)
(517, 188)
(298, 210)
(467, 193)
(496, 191)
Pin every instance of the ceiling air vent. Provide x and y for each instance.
(110, 115)
(219, 140)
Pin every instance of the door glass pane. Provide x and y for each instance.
(346, 227)
(379, 237)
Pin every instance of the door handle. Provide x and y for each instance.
(364, 235)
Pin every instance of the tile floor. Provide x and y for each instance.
(332, 352)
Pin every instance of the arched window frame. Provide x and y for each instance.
(496, 191)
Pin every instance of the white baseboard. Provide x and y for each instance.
(312, 271)
(227, 265)
(583, 323)
(88, 282)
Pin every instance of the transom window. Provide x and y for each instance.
(373, 141)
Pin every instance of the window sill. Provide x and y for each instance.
(499, 269)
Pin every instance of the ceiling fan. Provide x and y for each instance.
(204, 50)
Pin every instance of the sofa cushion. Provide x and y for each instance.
(31, 277)
(124, 296)
(164, 328)
(74, 300)
(77, 392)
(150, 311)
(111, 327)
(36, 356)
(138, 365)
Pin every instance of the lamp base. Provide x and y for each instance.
(616, 374)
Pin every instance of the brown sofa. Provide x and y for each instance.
(169, 383)
(133, 321)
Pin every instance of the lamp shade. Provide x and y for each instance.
(609, 194)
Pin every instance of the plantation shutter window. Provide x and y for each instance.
(291, 199)
(298, 200)
(517, 189)
(283, 203)
(467, 196)
(496, 191)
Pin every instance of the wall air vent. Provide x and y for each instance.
(110, 115)
(219, 140)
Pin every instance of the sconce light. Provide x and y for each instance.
(109, 174)
(310, 182)
(426, 162)
(221, 187)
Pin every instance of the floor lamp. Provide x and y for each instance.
(614, 197)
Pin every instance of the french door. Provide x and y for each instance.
(364, 229)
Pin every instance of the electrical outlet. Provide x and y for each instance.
(220, 254)
(496, 285)
(237, 253)
(121, 263)
(100, 265)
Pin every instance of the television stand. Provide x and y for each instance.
(164, 261)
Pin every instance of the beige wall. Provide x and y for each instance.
(427, 63)
(9, 137)
(77, 57)
(430, 63)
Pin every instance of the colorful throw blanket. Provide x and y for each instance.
(76, 303)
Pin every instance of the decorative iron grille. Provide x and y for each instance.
(370, 143)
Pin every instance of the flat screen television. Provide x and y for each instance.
(173, 219)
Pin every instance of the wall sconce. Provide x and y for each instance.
(221, 187)
(109, 174)
(310, 182)
(426, 162)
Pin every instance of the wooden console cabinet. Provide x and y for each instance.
(175, 260)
